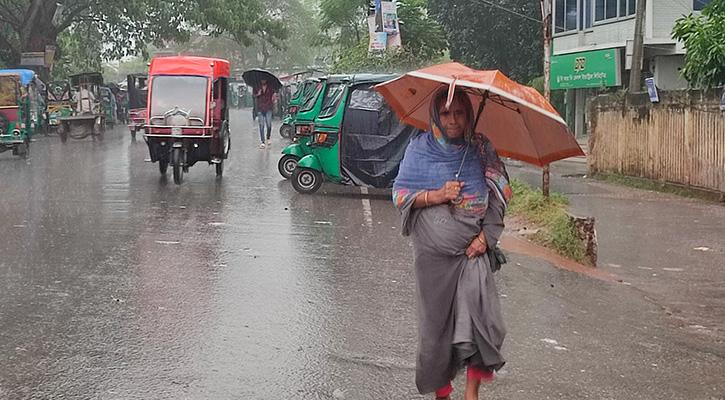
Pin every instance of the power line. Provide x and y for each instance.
(509, 10)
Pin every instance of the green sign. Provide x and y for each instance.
(585, 70)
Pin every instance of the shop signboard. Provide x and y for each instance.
(591, 69)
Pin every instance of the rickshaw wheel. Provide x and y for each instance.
(63, 136)
(287, 165)
(286, 131)
(163, 166)
(306, 180)
(133, 134)
(220, 169)
(178, 165)
(26, 154)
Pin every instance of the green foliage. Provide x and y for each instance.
(344, 21)
(486, 37)
(558, 231)
(423, 42)
(126, 27)
(704, 39)
(557, 96)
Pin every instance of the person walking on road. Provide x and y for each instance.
(265, 103)
(452, 190)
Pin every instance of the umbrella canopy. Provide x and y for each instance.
(517, 119)
(253, 78)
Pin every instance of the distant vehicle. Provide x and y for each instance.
(21, 110)
(137, 97)
(187, 116)
(89, 116)
(59, 104)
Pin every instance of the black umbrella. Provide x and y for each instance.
(254, 78)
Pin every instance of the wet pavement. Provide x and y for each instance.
(117, 284)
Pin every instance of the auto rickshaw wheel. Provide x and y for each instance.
(133, 133)
(177, 161)
(286, 131)
(220, 169)
(287, 165)
(26, 153)
(306, 180)
(163, 166)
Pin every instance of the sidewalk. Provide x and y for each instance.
(671, 248)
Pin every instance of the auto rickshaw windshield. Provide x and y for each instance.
(189, 93)
(309, 102)
(8, 91)
(332, 98)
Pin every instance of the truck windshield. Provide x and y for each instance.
(186, 92)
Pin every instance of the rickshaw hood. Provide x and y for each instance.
(26, 75)
(189, 65)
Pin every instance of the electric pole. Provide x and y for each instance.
(635, 73)
(546, 18)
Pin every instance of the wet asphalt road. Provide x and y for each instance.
(118, 284)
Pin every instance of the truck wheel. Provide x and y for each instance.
(177, 161)
(287, 165)
(306, 180)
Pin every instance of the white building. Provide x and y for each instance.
(593, 42)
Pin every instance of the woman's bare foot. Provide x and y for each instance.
(472, 386)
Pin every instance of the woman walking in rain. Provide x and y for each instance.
(452, 190)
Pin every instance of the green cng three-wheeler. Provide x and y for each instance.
(303, 92)
(357, 138)
(21, 110)
(58, 94)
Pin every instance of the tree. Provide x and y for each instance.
(344, 21)
(493, 34)
(704, 39)
(126, 26)
(423, 42)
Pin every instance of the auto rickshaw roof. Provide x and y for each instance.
(190, 65)
(361, 79)
(26, 75)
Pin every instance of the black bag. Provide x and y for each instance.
(496, 258)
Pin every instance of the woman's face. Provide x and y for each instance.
(454, 119)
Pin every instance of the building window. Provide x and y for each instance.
(567, 13)
(699, 5)
(611, 9)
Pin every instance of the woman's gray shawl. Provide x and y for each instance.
(446, 276)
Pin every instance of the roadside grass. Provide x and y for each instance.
(557, 230)
(646, 184)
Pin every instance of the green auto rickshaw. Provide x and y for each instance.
(108, 105)
(357, 138)
(303, 92)
(21, 110)
(59, 104)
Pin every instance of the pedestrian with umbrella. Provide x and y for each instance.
(452, 190)
(264, 86)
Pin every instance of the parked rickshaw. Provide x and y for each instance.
(21, 110)
(188, 114)
(58, 94)
(88, 118)
(137, 95)
(307, 111)
(303, 92)
(356, 138)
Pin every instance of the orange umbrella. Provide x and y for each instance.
(517, 119)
